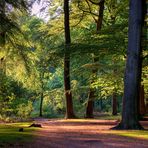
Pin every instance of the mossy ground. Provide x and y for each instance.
(9, 133)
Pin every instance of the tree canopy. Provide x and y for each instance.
(50, 67)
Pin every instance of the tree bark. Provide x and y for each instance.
(42, 92)
(41, 104)
(90, 104)
(114, 96)
(68, 94)
(133, 68)
(100, 18)
(2, 14)
(114, 104)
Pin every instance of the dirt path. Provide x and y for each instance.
(82, 134)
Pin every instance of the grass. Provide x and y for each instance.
(9, 133)
(143, 134)
(109, 117)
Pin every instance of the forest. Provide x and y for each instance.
(73, 62)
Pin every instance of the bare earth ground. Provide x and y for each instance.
(82, 134)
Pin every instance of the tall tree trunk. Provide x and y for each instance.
(133, 68)
(114, 96)
(141, 106)
(100, 18)
(68, 94)
(41, 104)
(114, 104)
(90, 104)
(42, 93)
(2, 14)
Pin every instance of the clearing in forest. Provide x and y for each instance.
(79, 133)
(72, 133)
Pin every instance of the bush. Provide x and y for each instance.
(24, 110)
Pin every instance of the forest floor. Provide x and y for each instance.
(72, 133)
(86, 133)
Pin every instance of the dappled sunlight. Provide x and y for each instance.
(10, 134)
(93, 133)
(73, 73)
(131, 133)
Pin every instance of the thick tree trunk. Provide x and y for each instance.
(133, 68)
(89, 110)
(91, 97)
(114, 104)
(41, 105)
(90, 104)
(68, 95)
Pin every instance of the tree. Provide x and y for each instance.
(9, 11)
(114, 104)
(2, 14)
(108, 38)
(7, 23)
(98, 21)
(68, 94)
(133, 68)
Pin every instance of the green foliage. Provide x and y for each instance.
(33, 58)
(13, 103)
(24, 110)
(8, 16)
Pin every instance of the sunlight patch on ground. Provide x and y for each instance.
(10, 132)
(143, 134)
(85, 120)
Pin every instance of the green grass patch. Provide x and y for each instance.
(9, 133)
(108, 116)
(143, 134)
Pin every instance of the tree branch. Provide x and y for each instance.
(96, 3)
(85, 11)
(79, 20)
(90, 10)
